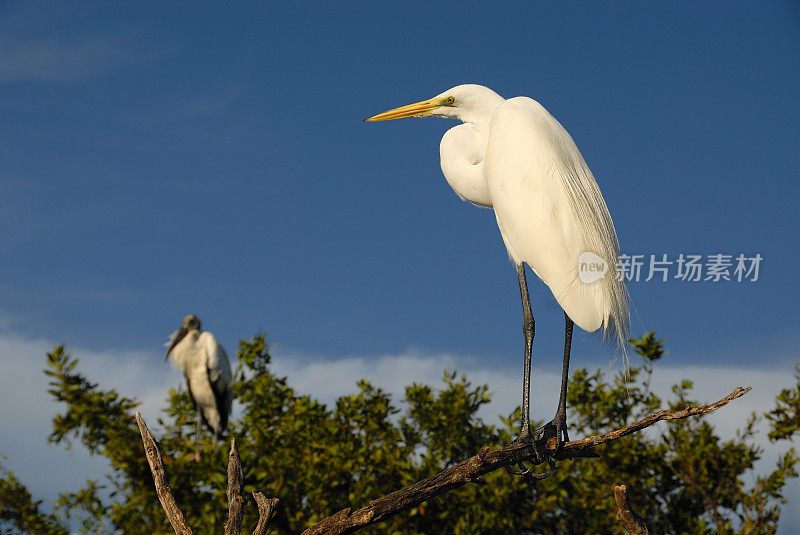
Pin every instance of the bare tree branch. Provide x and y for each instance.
(633, 523)
(266, 509)
(160, 479)
(235, 501)
(347, 520)
(654, 418)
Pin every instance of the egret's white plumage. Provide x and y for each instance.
(513, 156)
(205, 366)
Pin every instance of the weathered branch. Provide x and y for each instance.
(235, 501)
(266, 509)
(160, 479)
(633, 523)
(347, 520)
(654, 418)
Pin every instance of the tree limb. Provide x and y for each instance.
(266, 509)
(235, 501)
(347, 520)
(174, 514)
(633, 523)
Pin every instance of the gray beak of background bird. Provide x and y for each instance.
(178, 337)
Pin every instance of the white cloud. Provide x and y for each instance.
(210, 102)
(27, 409)
(48, 59)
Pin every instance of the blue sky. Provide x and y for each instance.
(164, 159)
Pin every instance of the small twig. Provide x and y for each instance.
(235, 501)
(347, 520)
(657, 417)
(266, 509)
(633, 523)
(160, 479)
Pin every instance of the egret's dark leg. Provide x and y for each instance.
(558, 427)
(528, 329)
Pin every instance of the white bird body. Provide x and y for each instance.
(513, 156)
(208, 375)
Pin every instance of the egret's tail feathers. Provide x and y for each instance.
(597, 235)
(618, 325)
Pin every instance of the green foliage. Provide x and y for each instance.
(318, 459)
(19, 513)
(785, 418)
(648, 347)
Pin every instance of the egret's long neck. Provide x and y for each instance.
(462, 151)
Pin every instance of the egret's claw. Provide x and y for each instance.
(527, 437)
(524, 471)
(555, 429)
(539, 477)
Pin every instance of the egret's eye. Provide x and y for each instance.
(449, 101)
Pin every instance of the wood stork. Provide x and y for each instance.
(208, 375)
(514, 157)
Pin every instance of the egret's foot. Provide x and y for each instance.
(526, 437)
(556, 428)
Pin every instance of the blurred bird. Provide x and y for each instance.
(208, 375)
(513, 156)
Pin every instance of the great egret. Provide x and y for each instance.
(513, 156)
(208, 375)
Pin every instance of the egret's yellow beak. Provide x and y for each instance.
(419, 109)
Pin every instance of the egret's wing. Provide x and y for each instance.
(219, 375)
(550, 210)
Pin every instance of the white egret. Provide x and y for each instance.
(513, 156)
(208, 375)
